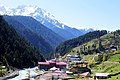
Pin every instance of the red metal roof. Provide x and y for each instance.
(43, 63)
(61, 63)
(48, 63)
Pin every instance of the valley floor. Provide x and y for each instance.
(111, 66)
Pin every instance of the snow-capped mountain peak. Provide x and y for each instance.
(33, 11)
(24, 10)
(43, 17)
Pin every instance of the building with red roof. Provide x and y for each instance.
(49, 64)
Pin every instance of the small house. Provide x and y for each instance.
(73, 58)
(101, 76)
(113, 48)
(85, 75)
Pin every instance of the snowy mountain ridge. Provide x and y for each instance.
(45, 18)
(33, 11)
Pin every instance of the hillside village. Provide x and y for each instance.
(102, 64)
(81, 41)
(72, 69)
(93, 56)
(103, 61)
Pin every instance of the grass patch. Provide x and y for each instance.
(115, 58)
(107, 68)
(3, 72)
(88, 57)
(115, 77)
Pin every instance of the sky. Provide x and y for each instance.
(97, 14)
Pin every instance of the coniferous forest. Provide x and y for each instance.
(69, 44)
(14, 50)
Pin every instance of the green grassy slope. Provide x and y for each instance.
(69, 44)
(109, 61)
(99, 44)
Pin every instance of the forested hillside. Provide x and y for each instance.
(15, 51)
(48, 35)
(68, 45)
(102, 44)
(36, 40)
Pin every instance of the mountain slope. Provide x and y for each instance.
(15, 51)
(106, 60)
(68, 45)
(30, 36)
(48, 35)
(44, 18)
(101, 44)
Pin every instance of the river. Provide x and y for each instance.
(27, 73)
